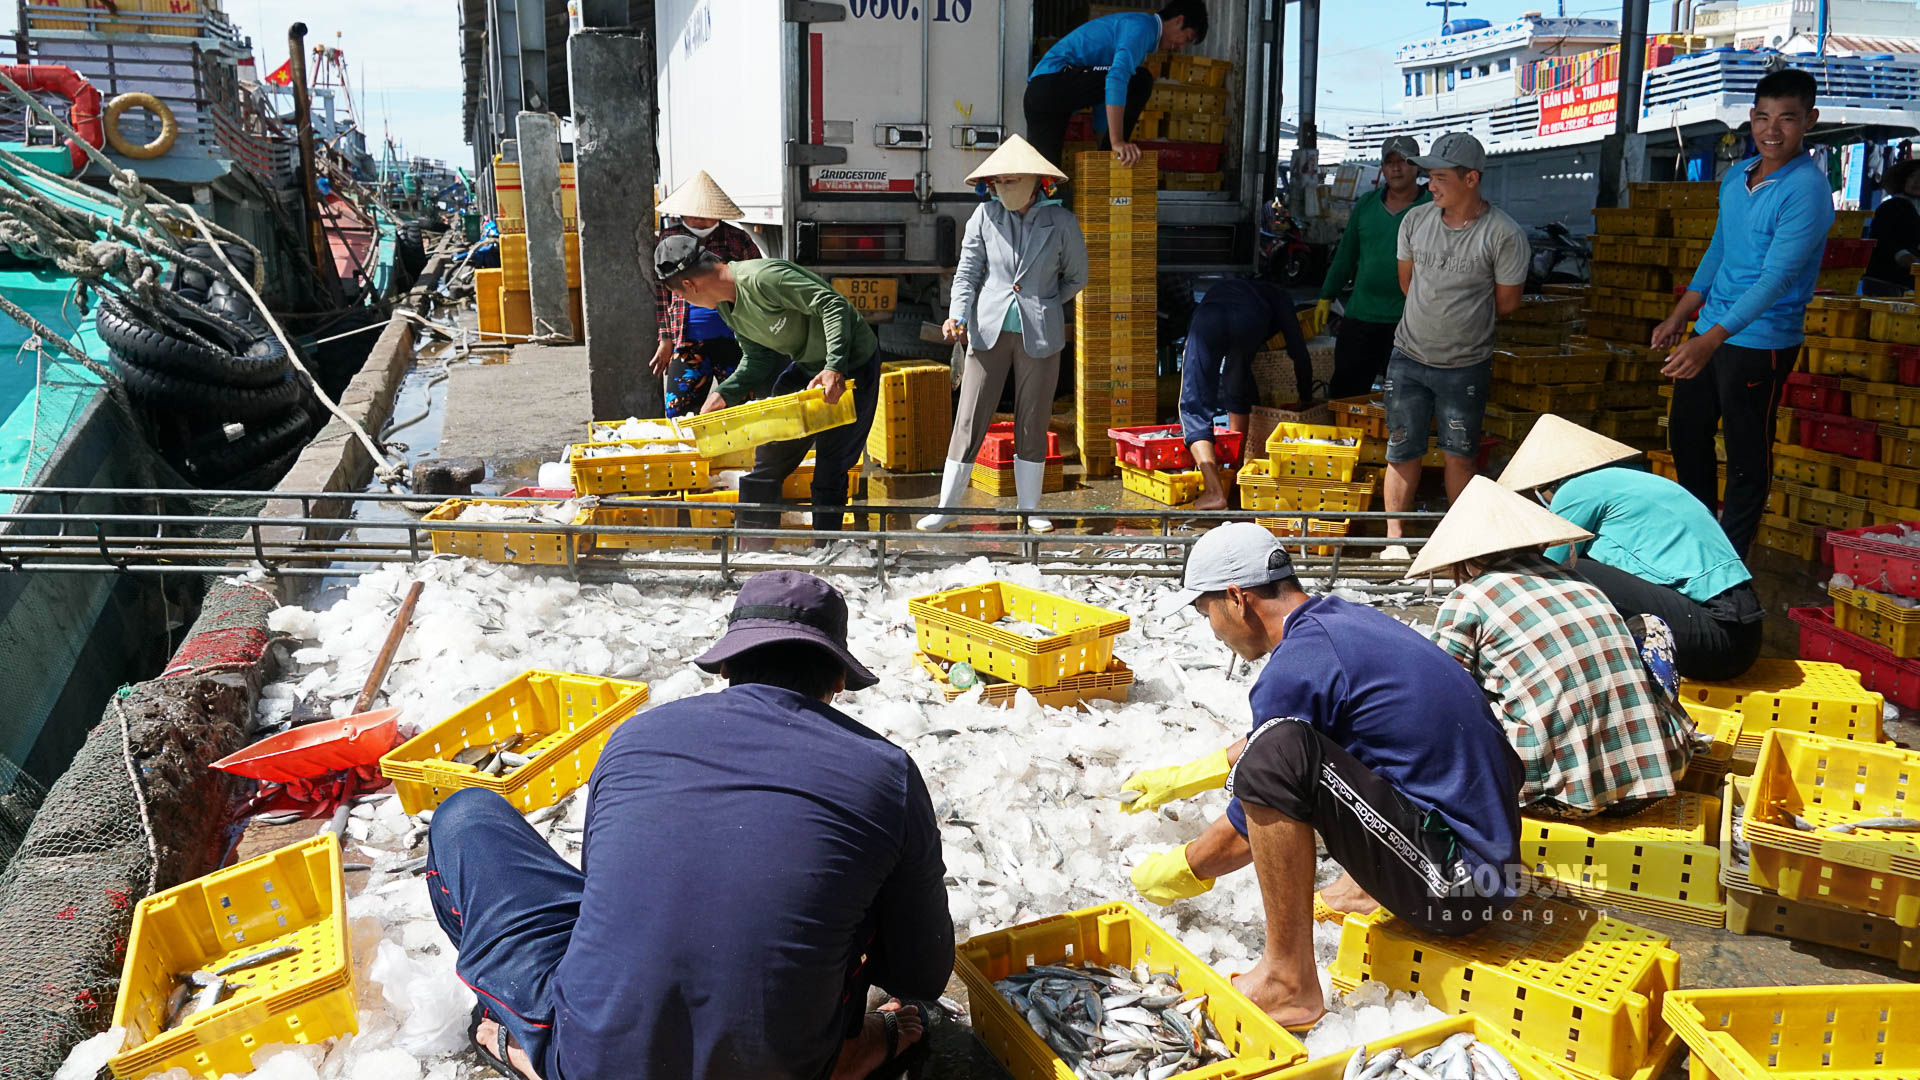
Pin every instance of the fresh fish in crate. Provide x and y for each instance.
(561, 513)
(1030, 630)
(633, 428)
(1114, 1022)
(624, 449)
(1306, 441)
(1460, 1057)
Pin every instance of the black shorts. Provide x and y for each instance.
(1406, 858)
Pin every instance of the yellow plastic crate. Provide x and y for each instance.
(1814, 468)
(1888, 485)
(1525, 368)
(531, 548)
(1694, 224)
(1836, 317)
(1826, 782)
(1896, 321)
(1544, 310)
(1826, 513)
(1870, 360)
(1876, 617)
(1193, 181)
(1799, 1032)
(791, 416)
(486, 295)
(1583, 990)
(1631, 276)
(1753, 910)
(1886, 403)
(1674, 195)
(1260, 490)
(293, 896)
(1312, 460)
(1798, 695)
(567, 717)
(637, 517)
(913, 417)
(1116, 934)
(1609, 221)
(1174, 487)
(1570, 398)
(1849, 224)
(999, 482)
(957, 625)
(637, 470)
(1109, 685)
(1708, 767)
(1286, 527)
(1789, 537)
(1421, 1039)
(1663, 861)
(1198, 70)
(1192, 127)
(798, 486)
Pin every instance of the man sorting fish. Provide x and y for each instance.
(1365, 733)
(754, 860)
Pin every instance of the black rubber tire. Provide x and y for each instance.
(262, 477)
(135, 343)
(221, 461)
(226, 301)
(217, 404)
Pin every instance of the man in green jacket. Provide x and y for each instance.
(795, 333)
(1368, 261)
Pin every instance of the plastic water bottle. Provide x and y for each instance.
(962, 676)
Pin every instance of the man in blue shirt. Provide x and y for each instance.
(1655, 549)
(1100, 63)
(1748, 301)
(754, 859)
(1364, 732)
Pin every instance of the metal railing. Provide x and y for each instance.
(318, 534)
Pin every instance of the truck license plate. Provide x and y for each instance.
(872, 297)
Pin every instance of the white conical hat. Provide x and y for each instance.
(702, 198)
(1557, 448)
(1488, 518)
(1016, 157)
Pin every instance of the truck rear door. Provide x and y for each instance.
(912, 90)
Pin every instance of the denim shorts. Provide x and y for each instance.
(1453, 400)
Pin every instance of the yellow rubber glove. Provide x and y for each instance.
(1164, 877)
(1322, 311)
(1157, 787)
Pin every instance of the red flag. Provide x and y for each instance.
(282, 75)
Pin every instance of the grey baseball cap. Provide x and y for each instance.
(1240, 553)
(1455, 150)
(1404, 145)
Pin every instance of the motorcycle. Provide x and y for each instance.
(1559, 257)
(1285, 255)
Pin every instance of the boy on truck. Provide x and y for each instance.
(1747, 302)
(1100, 62)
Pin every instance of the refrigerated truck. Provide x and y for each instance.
(846, 130)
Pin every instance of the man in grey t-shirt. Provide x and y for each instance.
(1463, 263)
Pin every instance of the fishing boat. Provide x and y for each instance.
(1541, 92)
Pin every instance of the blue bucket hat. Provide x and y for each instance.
(788, 606)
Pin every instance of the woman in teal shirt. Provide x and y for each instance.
(1655, 549)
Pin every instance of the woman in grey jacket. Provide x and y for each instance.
(1022, 260)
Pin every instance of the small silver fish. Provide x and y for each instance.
(1416, 1072)
(1891, 824)
(265, 956)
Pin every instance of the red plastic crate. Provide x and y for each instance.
(1880, 670)
(996, 451)
(1821, 393)
(1840, 435)
(1846, 254)
(539, 493)
(1132, 446)
(1186, 156)
(1876, 564)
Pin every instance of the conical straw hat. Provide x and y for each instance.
(1016, 157)
(1488, 518)
(702, 198)
(1557, 448)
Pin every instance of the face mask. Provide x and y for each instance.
(702, 233)
(1016, 195)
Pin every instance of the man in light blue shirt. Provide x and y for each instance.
(1748, 301)
(1100, 62)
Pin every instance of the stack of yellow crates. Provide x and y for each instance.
(1114, 318)
(507, 295)
(914, 417)
(1642, 251)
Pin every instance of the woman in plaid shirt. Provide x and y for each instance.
(1598, 734)
(697, 349)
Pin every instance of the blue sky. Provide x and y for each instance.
(406, 53)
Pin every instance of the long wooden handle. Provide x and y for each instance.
(385, 660)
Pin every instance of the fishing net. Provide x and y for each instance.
(138, 810)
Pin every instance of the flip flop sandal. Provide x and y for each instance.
(495, 1057)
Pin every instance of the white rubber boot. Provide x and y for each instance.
(1029, 480)
(952, 485)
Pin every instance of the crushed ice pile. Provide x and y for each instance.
(554, 513)
(1025, 795)
(1899, 533)
(629, 448)
(633, 428)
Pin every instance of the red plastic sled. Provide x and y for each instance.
(314, 750)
